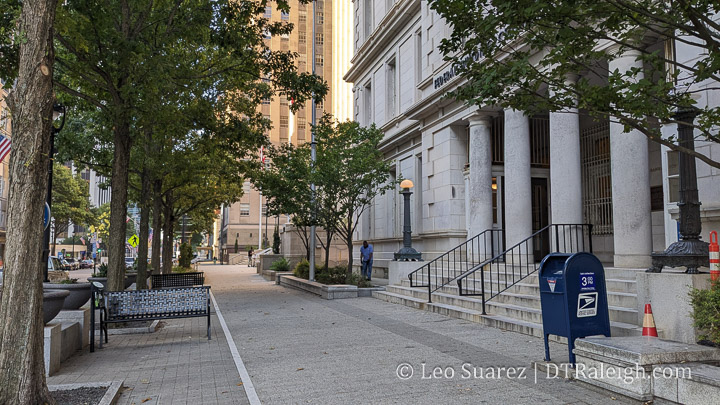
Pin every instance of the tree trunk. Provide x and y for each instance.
(167, 248)
(118, 205)
(350, 254)
(54, 243)
(57, 230)
(157, 226)
(142, 264)
(302, 233)
(328, 242)
(22, 380)
(349, 241)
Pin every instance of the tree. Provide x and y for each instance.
(511, 52)
(351, 171)
(185, 255)
(276, 241)
(285, 180)
(70, 201)
(26, 52)
(181, 51)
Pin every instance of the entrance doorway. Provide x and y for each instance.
(540, 217)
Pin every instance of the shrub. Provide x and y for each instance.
(280, 264)
(181, 269)
(333, 275)
(101, 270)
(276, 241)
(302, 269)
(185, 255)
(355, 279)
(706, 312)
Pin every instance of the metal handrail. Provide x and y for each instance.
(451, 264)
(573, 241)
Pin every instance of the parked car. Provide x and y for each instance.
(54, 264)
(86, 264)
(74, 264)
(64, 265)
(129, 262)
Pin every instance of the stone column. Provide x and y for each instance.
(632, 227)
(480, 190)
(565, 177)
(481, 217)
(518, 190)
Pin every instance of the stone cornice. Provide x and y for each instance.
(399, 136)
(395, 20)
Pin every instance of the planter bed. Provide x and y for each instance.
(102, 393)
(329, 292)
(272, 275)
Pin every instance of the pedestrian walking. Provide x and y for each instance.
(250, 256)
(366, 260)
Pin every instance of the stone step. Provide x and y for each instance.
(623, 291)
(614, 274)
(523, 307)
(531, 297)
(498, 321)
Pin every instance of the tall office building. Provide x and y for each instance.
(5, 126)
(333, 50)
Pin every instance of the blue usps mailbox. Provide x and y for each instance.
(573, 298)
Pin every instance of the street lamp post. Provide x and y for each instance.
(689, 251)
(407, 253)
(58, 110)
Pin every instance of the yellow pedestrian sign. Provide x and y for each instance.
(134, 241)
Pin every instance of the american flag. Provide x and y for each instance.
(4, 147)
(82, 240)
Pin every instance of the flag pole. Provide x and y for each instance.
(311, 244)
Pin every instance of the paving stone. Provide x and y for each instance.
(300, 348)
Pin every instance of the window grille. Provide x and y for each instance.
(540, 142)
(597, 184)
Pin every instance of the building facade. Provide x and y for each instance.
(488, 168)
(5, 130)
(241, 221)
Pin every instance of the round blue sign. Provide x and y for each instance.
(46, 216)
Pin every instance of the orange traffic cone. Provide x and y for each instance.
(649, 328)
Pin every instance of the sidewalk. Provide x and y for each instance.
(299, 348)
(175, 365)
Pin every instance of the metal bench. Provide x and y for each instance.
(147, 305)
(176, 280)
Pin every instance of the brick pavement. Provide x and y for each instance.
(175, 365)
(298, 348)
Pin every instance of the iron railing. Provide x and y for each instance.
(464, 257)
(504, 270)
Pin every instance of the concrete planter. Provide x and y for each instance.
(627, 365)
(272, 275)
(103, 281)
(329, 292)
(79, 293)
(52, 303)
